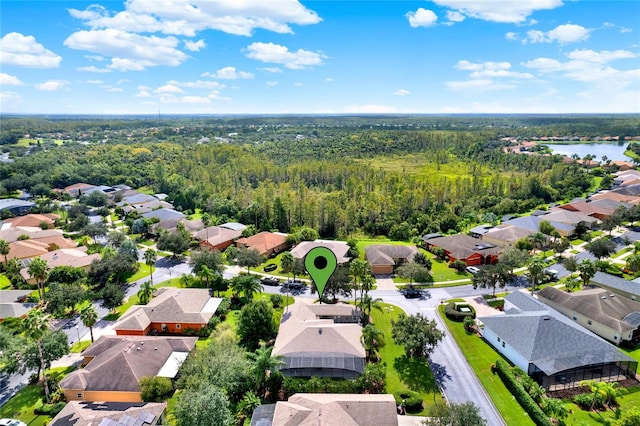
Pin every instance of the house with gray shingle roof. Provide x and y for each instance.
(85, 413)
(384, 258)
(630, 289)
(551, 348)
(115, 365)
(614, 318)
(171, 310)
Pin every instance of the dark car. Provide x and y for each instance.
(270, 281)
(412, 293)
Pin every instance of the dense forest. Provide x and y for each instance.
(344, 176)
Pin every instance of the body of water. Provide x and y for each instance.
(612, 151)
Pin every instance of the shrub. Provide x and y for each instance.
(49, 409)
(453, 313)
(276, 300)
(412, 400)
(321, 385)
(458, 265)
(269, 267)
(523, 398)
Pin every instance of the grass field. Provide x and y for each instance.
(143, 271)
(403, 373)
(30, 397)
(4, 282)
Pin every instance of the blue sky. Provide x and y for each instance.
(329, 57)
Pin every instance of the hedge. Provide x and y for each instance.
(270, 267)
(412, 400)
(453, 314)
(517, 390)
(49, 409)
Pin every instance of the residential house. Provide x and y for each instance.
(171, 310)
(532, 224)
(614, 318)
(15, 207)
(33, 220)
(75, 257)
(38, 246)
(616, 196)
(87, 413)
(216, 237)
(15, 233)
(625, 177)
(171, 225)
(465, 248)
(314, 344)
(479, 231)
(600, 209)
(313, 409)
(266, 243)
(114, 366)
(506, 235)
(613, 284)
(163, 214)
(552, 349)
(77, 189)
(384, 258)
(339, 248)
(13, 304)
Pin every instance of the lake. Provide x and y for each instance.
(613, 151)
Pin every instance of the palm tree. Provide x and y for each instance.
(587, 270)
(39, 270)
(145, 293)
(89, 317)
(5, 248)
(150, 257)
(366, 304)
(538, 238)
(286, 262)
(358, 268)
(535, 272)
(633, 262)
(36, 324)
(247, 285)
(263, 364)
(206, 274)
(372, 338)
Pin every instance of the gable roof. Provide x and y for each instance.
(549, 340)
(616, 283)
(462, 246)
(14, 232)
(508, 233)
(75, 257)
(532, 223)
(598, 305)
(263, 241)
(215, 235)
(119, 362)
(339, 248)
(171, 304)
(313, 409)
(384, 254)
(12, 203)
(163, 214)
(32, 220)
(87, 413)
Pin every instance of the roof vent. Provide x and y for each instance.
(138, 348)
(603, 297)
(546, 318)
(155, 348)
(611, 295)
(319, 331)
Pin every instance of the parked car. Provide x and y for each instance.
(472, 269)
(273, 281)
(552, 274)
(412, 293)
(11, 422)
(294, 283)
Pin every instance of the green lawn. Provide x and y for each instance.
(4, 282)
(78, 347)
(403, 373)
(480, 356)
(143, 271)
(21, 406)
(586, 418)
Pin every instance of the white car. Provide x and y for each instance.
(472, 269)
(11, 422)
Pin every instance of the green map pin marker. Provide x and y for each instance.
(321, 264)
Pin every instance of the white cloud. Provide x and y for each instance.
(187, 17)
(298, 84)
(275, 53)
(471, 66)
(95, 81)
(114, 89)
(168, 88)
(329, 80)
(199, 84)
(9, 80)
(563, 34)
(511, 36)
(195, 100)
(455, 16)
(9, 99)
(591, 67)
(94, 57)
(625, 30)
(421, 18)
(51, 85)
(271, 83)
(401, 92)
(478, 85)
(194, 46)
(128, 52)
(507, 11)
(483, 76)
(24, 51)
(93, 69)
(271, 69)
(228, 73)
